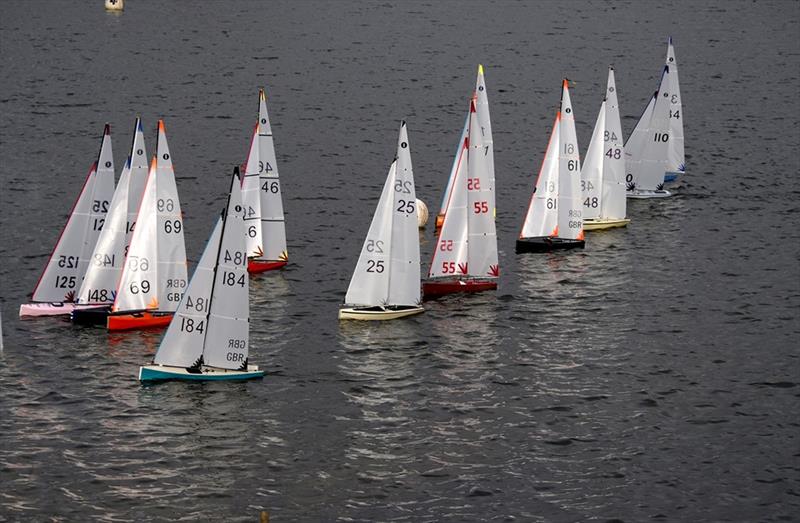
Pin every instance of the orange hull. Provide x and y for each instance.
(138, 320)
(439, 221)
(256, 266)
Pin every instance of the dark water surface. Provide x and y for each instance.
(653, 376)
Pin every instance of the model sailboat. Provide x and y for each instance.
(65, 270)
(99, 287)
(484, 121)
(603, 170)
(265, 230)
(209, 336)
(385, 284)
(674, 162)
(647, 157)
(154, 276)
(554, 219)
(465, 254)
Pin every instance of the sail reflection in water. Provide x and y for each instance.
(384, 364)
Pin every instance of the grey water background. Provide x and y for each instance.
(653, 376)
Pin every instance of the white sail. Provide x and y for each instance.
(100, 282)
(137, 180)
(647, 164)
(592, 169)
(182, 345)
(62, 275)
(251, 199)
(369, 285)
(676, 160)
(542, 216)
(137, 289)
(154, 275)
(273, 229)
(482, 236)
(102, 194)
(458, 159)
(484, 121)
(614, 203)
(228, 332)
(570, 221)
(404, 269)
(105, 266)
(637, 139)
(171, 247)
(451, 251)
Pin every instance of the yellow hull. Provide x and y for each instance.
(382, 314)
(597, 225)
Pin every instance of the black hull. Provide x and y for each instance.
(93, 316)
(547, 244)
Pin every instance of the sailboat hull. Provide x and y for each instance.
(607, 223)
(436, 288)
(257, 266)
(641, 195)
(138, 320)
(165, 373)
(378, 313)
(94, 315)
(32, 310)
(547, 244)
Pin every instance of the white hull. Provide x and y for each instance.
(165, 372)
(375, 313)
(607, 223)
(648, 194)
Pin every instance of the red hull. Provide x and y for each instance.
(433, 289)
(255, 266)
(138, 320)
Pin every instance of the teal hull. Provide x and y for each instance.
(163, 373)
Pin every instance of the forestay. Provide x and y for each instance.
(228, 337)
(676, 161)
(68, 262)
(541, 218)
(570, 222)
(100, 282)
